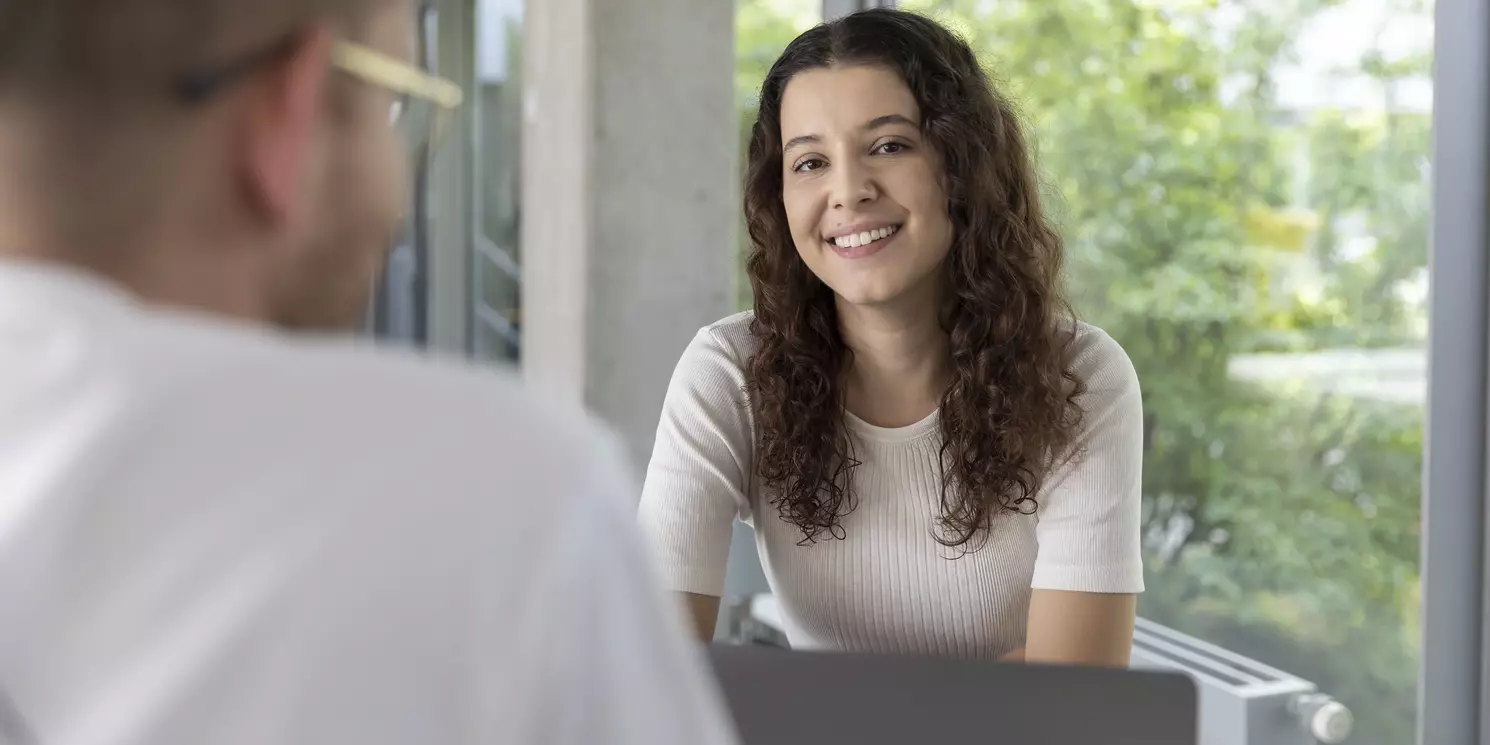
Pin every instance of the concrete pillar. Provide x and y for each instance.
(630, 181)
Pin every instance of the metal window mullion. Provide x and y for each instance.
(1451, 691)
(476, 286)
(838, 8)
(448, 265)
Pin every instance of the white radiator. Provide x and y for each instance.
(1242, 701)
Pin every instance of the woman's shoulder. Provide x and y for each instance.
(714, 363)
(1100, 362)
(708, 386)
(726, 340)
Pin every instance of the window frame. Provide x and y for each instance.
(838, 8)
(1452, 703)
(399, 310)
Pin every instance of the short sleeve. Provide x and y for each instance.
(698, 477)
(1089, 518)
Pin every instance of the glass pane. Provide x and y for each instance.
(397, 311)
(1244, 191)
(496, 286)
(763, 28)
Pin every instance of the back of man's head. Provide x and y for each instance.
(204, 153)
(122, 48)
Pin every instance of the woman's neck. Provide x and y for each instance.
(900, 365)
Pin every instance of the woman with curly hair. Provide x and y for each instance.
(935, 455)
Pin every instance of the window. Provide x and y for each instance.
(763, 28)
(398, 311)
(496, 281)
(1244, 189)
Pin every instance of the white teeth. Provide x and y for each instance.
(860, 239)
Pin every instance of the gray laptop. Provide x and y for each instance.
(806, 698)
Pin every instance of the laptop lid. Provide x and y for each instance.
(813, 698)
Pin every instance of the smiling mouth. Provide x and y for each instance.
(856, 245)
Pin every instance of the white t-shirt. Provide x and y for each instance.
(888, 586)
(210, 533)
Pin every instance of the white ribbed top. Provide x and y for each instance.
(888, 586)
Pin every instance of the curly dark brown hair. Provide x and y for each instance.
(1010, 411)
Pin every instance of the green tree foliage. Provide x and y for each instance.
(1205, 224)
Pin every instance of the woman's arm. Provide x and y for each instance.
(696, 479)
(1089, 568)
(703, 611)
(1080, 628)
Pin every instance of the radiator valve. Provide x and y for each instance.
(1326, 719)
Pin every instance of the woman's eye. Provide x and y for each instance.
(809, 164)
(890, 148)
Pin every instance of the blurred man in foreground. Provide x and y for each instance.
(211, 532)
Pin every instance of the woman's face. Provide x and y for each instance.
(863, 190)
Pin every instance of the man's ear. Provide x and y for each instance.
(284, 105)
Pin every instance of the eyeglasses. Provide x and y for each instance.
(424, 104)
(421, 109)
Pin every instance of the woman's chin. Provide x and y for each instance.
(882, 289)
(869, 295)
